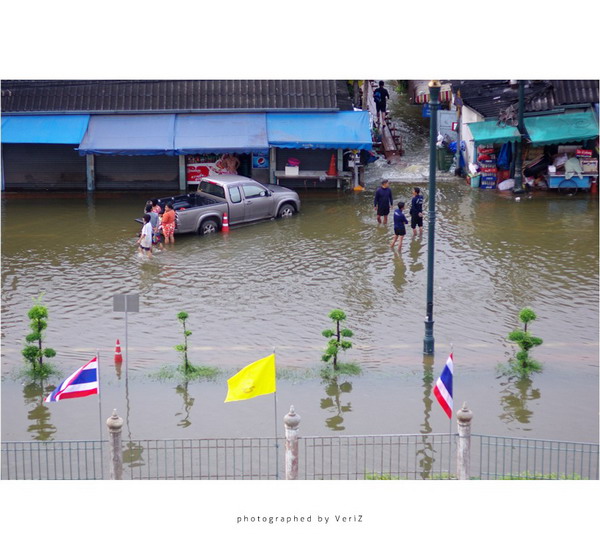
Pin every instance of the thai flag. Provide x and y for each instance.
(443, 387)
(82, 383)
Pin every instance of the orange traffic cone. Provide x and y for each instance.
(332, 170)
(225, 227)
(118, 357)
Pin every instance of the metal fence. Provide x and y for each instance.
(500, 458)
(402, 457)
(411, 456)
(52, 460)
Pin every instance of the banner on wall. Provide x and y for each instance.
(260, 161)
(195, 171)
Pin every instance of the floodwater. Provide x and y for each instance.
(271, 285)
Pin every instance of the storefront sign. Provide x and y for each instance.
(584, 153)
(195, 171)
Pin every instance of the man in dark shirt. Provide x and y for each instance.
(383, 201)
(380, 95)
(416, 211)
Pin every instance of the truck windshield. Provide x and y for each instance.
(211, 188)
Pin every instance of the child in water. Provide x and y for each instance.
(399, 225)
(145, 240)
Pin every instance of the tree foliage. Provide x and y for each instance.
(34, 352)
(337, 337)
(525, 341)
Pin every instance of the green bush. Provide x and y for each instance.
(524, 364)
(336, 337)
(34, 353)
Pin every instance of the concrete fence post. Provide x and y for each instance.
(463, 451)
(291, 421)
(115, 425)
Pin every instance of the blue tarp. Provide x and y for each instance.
(346, 129)
(129, 135)
(224, 133)
(44, 129)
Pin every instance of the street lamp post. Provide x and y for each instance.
(519, 149)
(434, 95)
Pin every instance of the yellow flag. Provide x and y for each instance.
(255, 379)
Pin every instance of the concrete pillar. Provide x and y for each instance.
(272, 165)
(115, 425)
(182, 174)
(291, 421)
(463, 451)
(90, 172)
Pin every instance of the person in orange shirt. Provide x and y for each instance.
(168, 224)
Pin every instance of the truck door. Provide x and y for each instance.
(236, 206)
(257, 202)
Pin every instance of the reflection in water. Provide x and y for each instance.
(516, 393)
(416, 259)
(425, 453)
(133, 452)
(333, 403)
(399, 271)
(119, 369)
(188, 402)
(40, 413)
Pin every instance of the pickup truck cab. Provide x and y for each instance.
(243, 199)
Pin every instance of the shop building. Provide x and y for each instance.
(558, 141)
(165, 135)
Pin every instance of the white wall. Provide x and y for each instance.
(469, 116)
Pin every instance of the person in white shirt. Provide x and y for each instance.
(145, 240)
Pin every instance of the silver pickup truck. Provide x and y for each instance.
(243, 199)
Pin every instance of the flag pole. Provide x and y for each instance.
(100, 412)
(276, 436)
(450, 419)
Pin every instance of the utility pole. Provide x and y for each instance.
(434, 96)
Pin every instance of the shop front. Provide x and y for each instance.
(562, 151)
(494, 155)
(39, 152)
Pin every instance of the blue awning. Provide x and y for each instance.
(346, 129)
(129, 135)
(44, 129)
(224, 133)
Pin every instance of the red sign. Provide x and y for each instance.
(195, 171)
(584, 153)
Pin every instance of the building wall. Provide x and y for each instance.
(469, 116)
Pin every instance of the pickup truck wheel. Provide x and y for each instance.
(286, 211)
(207, 227)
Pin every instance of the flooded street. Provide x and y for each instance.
(271, 285)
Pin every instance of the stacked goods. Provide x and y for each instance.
(486, 159)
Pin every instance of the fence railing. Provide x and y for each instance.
(404, 456)
(497, 457)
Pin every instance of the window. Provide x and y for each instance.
(211, 188)
(253, 191)
(234, 194)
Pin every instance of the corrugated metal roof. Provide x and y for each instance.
(130, 96)
(489, 97)
(569, 92)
